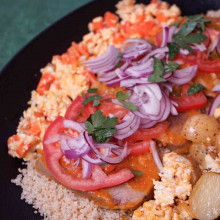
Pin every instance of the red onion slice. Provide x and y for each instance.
(214, 45)
(107, 145)
(105, 62)
(126, 83)
(73, 125)
(165, 37)
(89, 159)
(129, 130)
(216, 88)
(147, 123)
(86, 169)
(156, 156)
(155, 52)
(108, 76)
(215, 104)
(183, 76)
(172, 30)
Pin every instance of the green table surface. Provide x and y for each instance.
(22, 20)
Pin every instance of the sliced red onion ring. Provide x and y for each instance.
(172, 30)
(161, 50)
(128, 130)
(215, 104)
(111, 160)
(142, 70)
(107, 145)
(133, 48)
(132, 82)
(183, 76)
(216, 88)
(86, 169)
(165, 37)
(147, 123)
(173, 108)
(73, 125)
(214, 45)
(156, 156)
(108, 76)
(89, 159)
(105, 62)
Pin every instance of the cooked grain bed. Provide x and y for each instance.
(55, 202)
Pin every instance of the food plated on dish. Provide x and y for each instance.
(125, 123)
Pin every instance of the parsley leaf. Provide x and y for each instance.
(103, 164)
(92, 90)
(173, 49)
(195, 88)
(120, 55)
(118, 64)
(187, 28)
(199, 19)
(171, 66)
(100, 127)
(137, 172)
(196, 38)
(83, 95)
(177, 24)
(124, 96)
(157, 75)
(94, 98)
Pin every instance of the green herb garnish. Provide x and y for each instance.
(124, 96)
(79, 113)
(157, 75)
(103, 164)
(83, 95)
(120, 55)
(170, 67)
(195, 88)
(92, 90)
(100, 127)
(137, 172)
(118, 64)
(187, 35)
(94, 98)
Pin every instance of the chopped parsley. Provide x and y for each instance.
(100, 127)
(103, 164)
(137, 172)
(92, 90)
(170, 67)
(189, 33)
(195, 88)
(157, 75)
(118, 64)
(120, 55)
(94, 98)
(124, 96)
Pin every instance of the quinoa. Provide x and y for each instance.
(53, 201)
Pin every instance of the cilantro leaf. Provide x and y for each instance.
(137, 172)
(171, 66)
(103, 164)
(157, 75)
(100, 127)
(195, 88)
(94, 98)
(83, 95)
(195, 38)
(173, 49)
(187, 28)
(120, 55)
(124, 96)
(92, 90)
(130, 106)
(177, 24)
(118, 64)
(199, 19)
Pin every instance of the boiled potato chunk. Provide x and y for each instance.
(205, 197)
(198, 153)
(201, 128)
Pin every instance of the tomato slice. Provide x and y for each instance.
(110, 108)
(73, 111)
(138, 148)
(98, 179)
(147, 134)
(186, 103)
(203, 64)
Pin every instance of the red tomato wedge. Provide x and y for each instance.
(147, 134)
(138, 148)
(186, 103)
(73, 111)
(98, 179)
(206, 65)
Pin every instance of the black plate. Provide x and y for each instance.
(22, 74)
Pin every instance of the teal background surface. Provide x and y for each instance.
(22, 20)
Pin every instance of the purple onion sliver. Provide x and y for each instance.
(216, 88)
(215, 104)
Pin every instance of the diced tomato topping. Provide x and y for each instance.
(44, 84)
(98, 180)
(110, 19)
(97, 26)
(186, 103)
